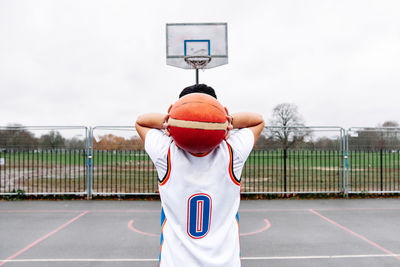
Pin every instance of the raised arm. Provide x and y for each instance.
(253, 121)
(149, 121)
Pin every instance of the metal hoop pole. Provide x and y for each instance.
(197, 76)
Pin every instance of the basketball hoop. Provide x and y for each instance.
(197, 62)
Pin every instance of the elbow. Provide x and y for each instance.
(261, 120)
(139, 121)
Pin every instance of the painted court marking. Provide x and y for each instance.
(243, 258)
(388, 253)
(130, 226)
(42, 238)
(320, 257)
(265, 228)
(159, 210)
(356, 234)
(319, 209)
(75, 211)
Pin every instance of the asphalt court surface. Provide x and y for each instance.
(340, 232)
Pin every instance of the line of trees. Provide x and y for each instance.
(387, 137)
(18, 137)
(290, 133)
(21, 138)
(112, 142)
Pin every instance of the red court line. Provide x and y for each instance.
(355, 234)
(40, 211)
(128, 211)
(265, 228)
(130, 226)
(320, 209)
(75, 211)
(43, 238)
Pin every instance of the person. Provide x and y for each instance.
(200, 193)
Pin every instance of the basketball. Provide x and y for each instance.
(197, 123)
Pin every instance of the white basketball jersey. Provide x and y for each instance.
(200, 200)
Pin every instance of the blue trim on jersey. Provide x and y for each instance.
(237, 219)
(163, 219)
(162, 224)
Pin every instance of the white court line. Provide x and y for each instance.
(159, 210)
(243, 258)
(82, 260)
(320, 257)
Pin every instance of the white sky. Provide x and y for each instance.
(103, 62)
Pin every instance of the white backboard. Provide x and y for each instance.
(197, 39)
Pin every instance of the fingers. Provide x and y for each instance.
(166, 125)
(229, 118)
(230, 122)
(227, 135)
(166, 117)
(169, 109)
(226, 110)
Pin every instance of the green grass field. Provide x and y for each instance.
(265, 171)
(306, 158)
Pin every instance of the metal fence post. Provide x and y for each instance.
(89, 164)
(381, 167)
(345, 163)
(284, 170)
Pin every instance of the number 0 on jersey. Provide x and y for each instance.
(199, 215)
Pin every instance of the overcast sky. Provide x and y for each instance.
(103, 62)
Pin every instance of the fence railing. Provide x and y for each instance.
(373, 160)
(293, 171)
(39, 161)
(315, 160)
(289, 160)
(49, 171)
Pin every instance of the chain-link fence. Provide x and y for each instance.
(107, 160)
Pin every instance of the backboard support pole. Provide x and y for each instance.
(197, 76)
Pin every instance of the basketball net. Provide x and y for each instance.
(197, 62)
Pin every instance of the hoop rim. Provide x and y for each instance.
(197, 62)
(200, 58)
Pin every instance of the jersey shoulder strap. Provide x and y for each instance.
(164, 180)
(234, 179)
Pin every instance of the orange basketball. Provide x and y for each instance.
(197, 123)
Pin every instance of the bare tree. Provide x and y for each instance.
(390, 135)
(75, 143)
(390, 124)
(52, 140)
(17, 136)
(288, 125)
(385, 136)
